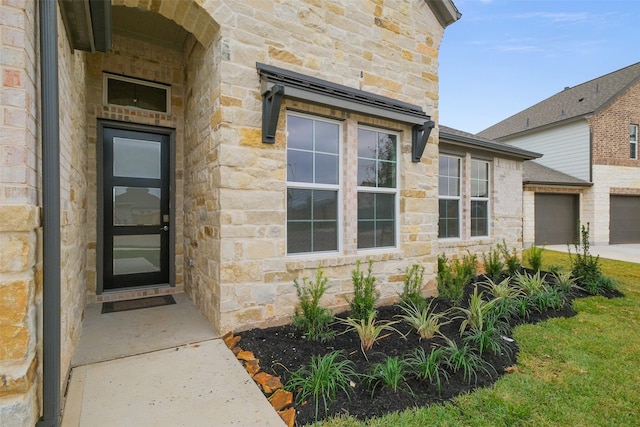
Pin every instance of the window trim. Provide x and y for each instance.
(382, 190)
(105, 91)
(481, 199)
(632, 142)
(315, 186)
(459, 197)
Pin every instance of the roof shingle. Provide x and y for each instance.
(571, 103)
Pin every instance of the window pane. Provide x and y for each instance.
(136, 158)
(326, 169)
(299, 204)
(136, 254)
(151, 98)
(299, 166)
(366, 237)
(443, 166)
(385, 207)
(326, 137)
(366, 207)
(448, 224)
(298, 237)
(479, 219)
(325, 236)
(385, 234)
(139, 95)
(325, 205)
(387, 174)
(299, 133)
(387, 147)
(633, 133)
(366, 143)
(136, 206)
(633, 151)
(367, 173)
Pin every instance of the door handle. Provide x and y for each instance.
(165, 228)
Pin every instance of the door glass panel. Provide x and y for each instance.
(136, 158)
(136, 206)
(136, 254)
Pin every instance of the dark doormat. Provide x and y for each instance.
(135, 304)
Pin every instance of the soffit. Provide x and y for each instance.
(148, 26)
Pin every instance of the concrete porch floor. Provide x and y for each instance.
(161, 366)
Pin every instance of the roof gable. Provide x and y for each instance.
(570, 104)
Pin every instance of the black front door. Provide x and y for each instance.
(136, 208)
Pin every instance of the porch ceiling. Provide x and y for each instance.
(147, 26)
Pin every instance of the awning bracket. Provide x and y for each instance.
(419, 140)
(271, 102)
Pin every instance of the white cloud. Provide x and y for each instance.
(556, 17)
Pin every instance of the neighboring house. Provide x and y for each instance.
(220, 148)
(479, 193)
(589, 134)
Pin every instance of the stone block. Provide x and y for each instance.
(19, 217)
(18, 251)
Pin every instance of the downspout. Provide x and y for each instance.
(51, 214)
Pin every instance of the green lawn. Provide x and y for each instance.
(582, 371)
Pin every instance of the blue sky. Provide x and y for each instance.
(503, 56)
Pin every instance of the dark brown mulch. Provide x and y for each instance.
(283, 349)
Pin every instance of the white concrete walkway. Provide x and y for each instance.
(163, 380)
(629, 253)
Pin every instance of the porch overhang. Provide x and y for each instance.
(87, 23)
(278, 83)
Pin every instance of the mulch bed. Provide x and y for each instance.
(283, 349)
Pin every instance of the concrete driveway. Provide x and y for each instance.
(628, 253)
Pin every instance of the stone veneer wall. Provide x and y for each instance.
(20, 278)
(202, 176)
(137, 59)
(362, 45)
(505, 204)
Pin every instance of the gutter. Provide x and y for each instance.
(51, 214)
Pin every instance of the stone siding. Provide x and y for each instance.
(505, 210)
(20, 283)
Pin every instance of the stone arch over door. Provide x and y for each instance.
(195, 103)
(188, 14)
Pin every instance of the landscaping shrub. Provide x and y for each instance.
(511, 259)
(534, 257)
(424, 319)
(411, 292)
(322, 379)
(584, 266)
(464, 358)
(493, 264)
(369, 331)
(312, 319)
(428, 367)
(453, 276)
(365, 293)
(390, 373)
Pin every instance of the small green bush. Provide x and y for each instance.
(365, 293)
(584, 266)
(464, 358)
(511, 259)
(428, 367)
(424, 320)
(313, 320)
(493, 264)
(534, 257)
(412, 291)
(453, 276)
(390, 373)
(322, 380)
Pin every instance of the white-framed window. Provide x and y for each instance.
(449, 180)
(136, 93)
(633, 141)
(313, 184)
(377, 188)
(479, 198)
